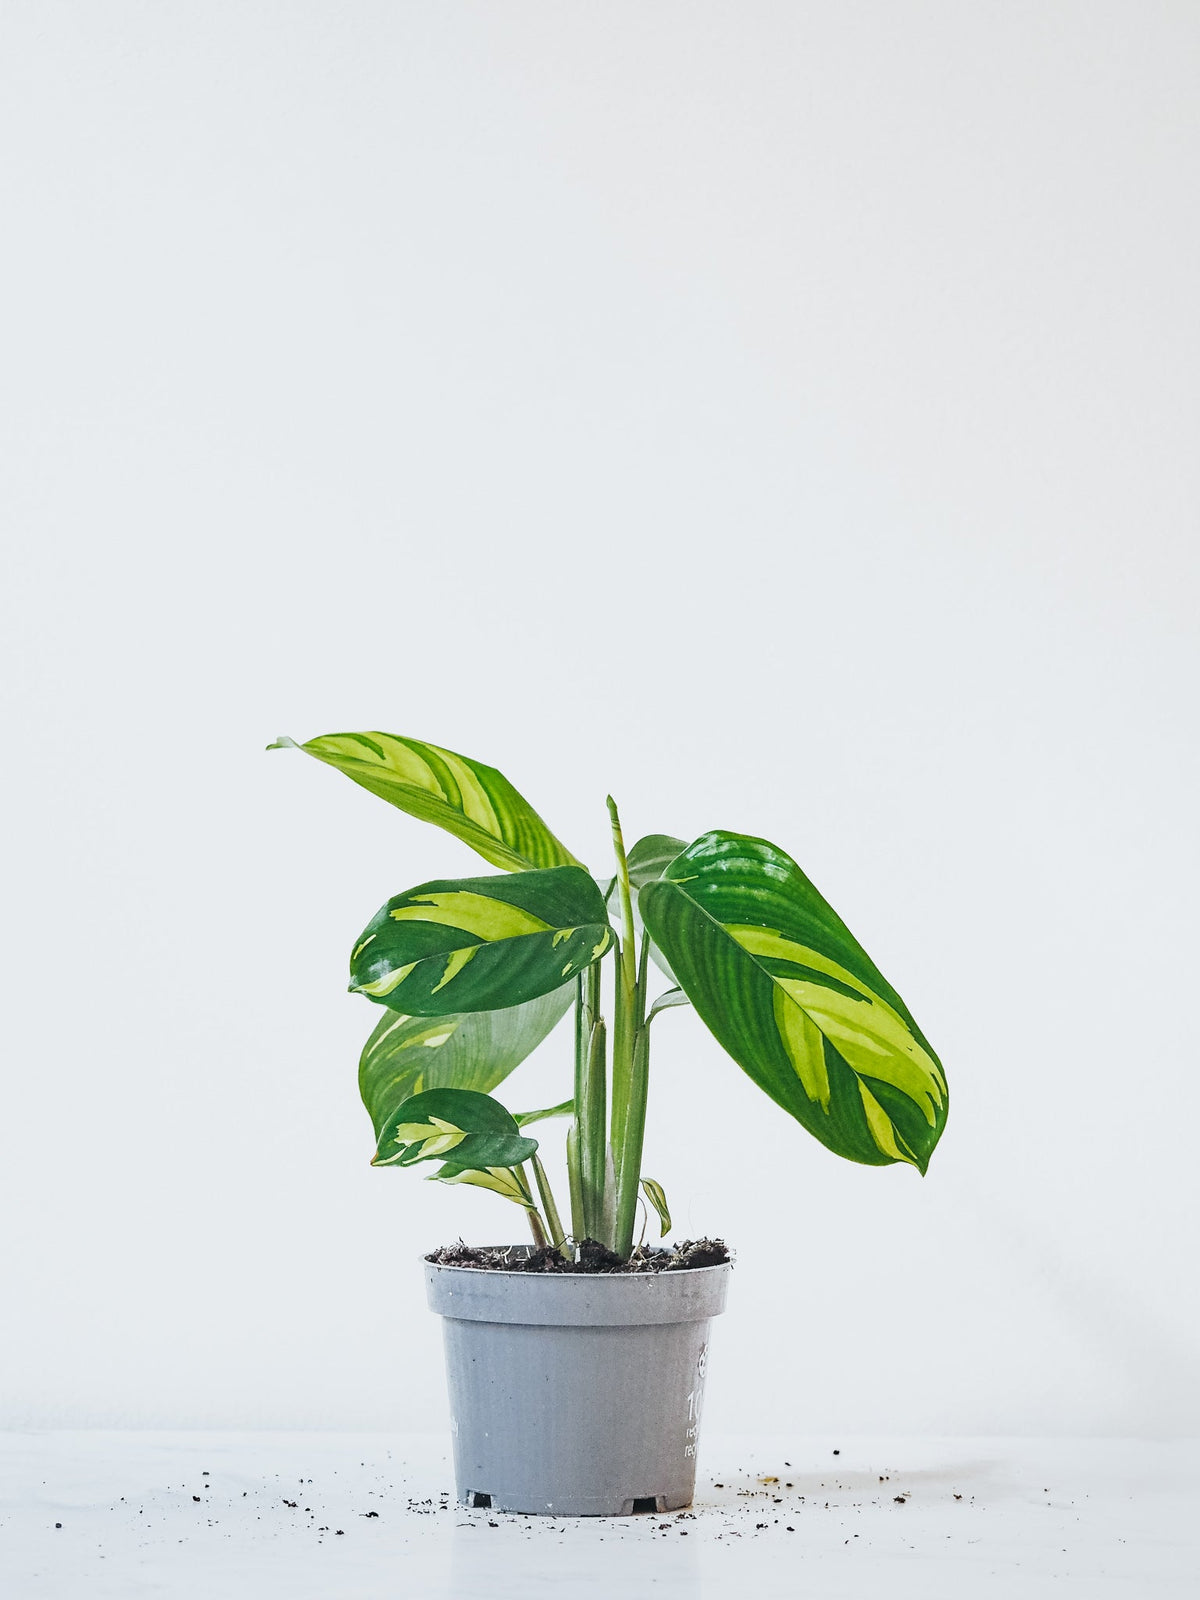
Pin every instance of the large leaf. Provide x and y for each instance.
(475, 803)
(471, 1130)
(796, 1001)
(468, 1050)
(477, 944)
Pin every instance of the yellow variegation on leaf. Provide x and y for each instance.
(472, 801)
(796, 1001)
(481, 944)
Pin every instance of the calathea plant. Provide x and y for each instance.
(473, 973)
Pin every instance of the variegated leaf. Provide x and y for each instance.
(657, 1197)
(466, 1050)
(479, 944)
(475, 803)
(472, 1130)
(796, 1001)
(500, 1180)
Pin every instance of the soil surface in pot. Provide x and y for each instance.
(591, 1257)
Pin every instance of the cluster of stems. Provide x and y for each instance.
(604, 1145)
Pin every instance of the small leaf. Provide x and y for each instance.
(672, 997)
(566, 1109)
(474, 802)
(500, 1180)
(657, 1197)
(477, 1128)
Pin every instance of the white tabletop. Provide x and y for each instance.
(366, 1516)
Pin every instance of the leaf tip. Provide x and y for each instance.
(283, 743)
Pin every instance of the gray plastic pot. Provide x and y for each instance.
(576, 1394)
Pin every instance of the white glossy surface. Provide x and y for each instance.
(208, 1514)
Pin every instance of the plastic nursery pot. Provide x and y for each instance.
(576, 1394)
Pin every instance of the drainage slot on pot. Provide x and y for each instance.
(481, 1502)
(648, 1502)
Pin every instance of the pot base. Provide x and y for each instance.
(632, 1507)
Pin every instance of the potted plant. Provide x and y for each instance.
(576, 1363)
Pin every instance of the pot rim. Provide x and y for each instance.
(575, 1299)
(568, 1277)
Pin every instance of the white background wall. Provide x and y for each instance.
(784, 415)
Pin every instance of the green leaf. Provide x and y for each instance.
(465, 1050)
(565, 1109)
(657, 1197)
(475, 803)
(478, 944)
(651, 856)
(647, 861)
(796, 1001)
(476, 1128)
(672, 997)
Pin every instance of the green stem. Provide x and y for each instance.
(575, 1140)
(629, 1057)
(592, 1130)
(628, 958)
(578, 1224)
(536, 1226)
(546, 1194)
(643, 968)
(629, 1170)
(620, 1060)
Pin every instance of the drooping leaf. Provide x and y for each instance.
(500, 1180)
(478, 944)
(470, 1129)
(656, 1195)
(796, 1001)
(565, 1109)
(474, 802)
(465, 1050)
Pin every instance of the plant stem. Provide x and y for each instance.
(578, 1225)
(630, 1169)
(592, 1130)
(575, 1140)
(536, 1226)
(643, 970)
(630, 1057)
(628, 958)
(586, 1143)
(624, 991)
(553, 1221)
